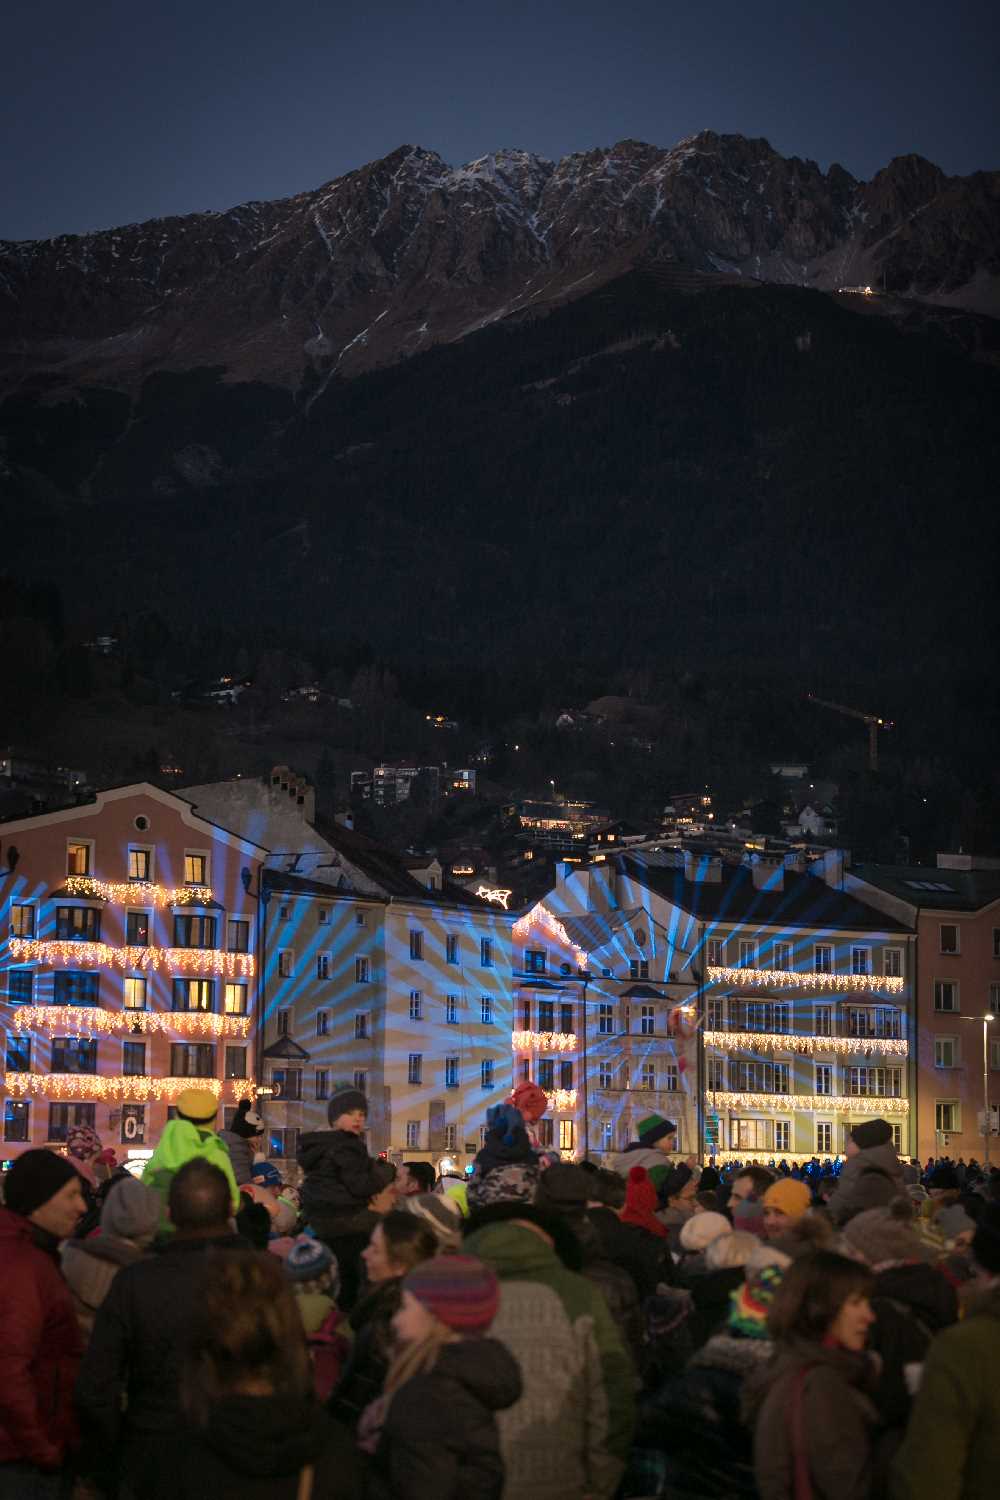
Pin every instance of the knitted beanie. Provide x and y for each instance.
(702, 1229)
(458, 1289)
(35, 1177)
(83, 1143)
(751, 1303)
(200, 1106)
(884, 1234)
(505, 1120)
(986, 1240)
(308, 1260)
(871, 1133)
(131, 1211)
(789, 1197)
(344, 1099)
(515, 1183)
(442, 1216)
(730, 1251)
(748, 1215)
(530, 1100)
(640, 1194)
(653, 1128)
(564, 1187)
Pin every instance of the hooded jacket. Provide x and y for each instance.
(39, 1351)
(440, 1440)
(339, 1180)
(254, 1448)
(871, 1179)
(569, 1433)
(90, 1266)
(667, 1176)
(913, 1302)
(952, 1446)
(180, 1143)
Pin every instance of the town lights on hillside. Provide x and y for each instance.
(790, 979)
(119, 1086)
(775, 1041)
(88, 1020)
(137, 892)
(102, 955)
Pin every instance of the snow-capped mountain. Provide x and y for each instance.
(408, 251)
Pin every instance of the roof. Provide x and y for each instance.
(301, 885)
(388, 870)
(285, 1049)
(597, 929)
(930, 886)
(804, 901)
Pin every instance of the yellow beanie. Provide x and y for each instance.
(200, 1106)
(788, 1196)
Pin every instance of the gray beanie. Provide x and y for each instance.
(131, 1211)
(345, 1098)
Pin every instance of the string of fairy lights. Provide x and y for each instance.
(787, 979)
(543, 1041)
(137, 892)
(851, 1104)
(212, 961)
(127, 1087)
(88, 1020)
(811, 1046)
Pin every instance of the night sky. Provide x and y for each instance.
(114, 112)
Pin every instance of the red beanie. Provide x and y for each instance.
(641, 1202)
(530, 1100)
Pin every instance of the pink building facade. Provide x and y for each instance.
(128, 959)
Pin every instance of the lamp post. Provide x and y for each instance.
(986, 1018)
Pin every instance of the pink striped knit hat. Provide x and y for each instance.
(458, 1289)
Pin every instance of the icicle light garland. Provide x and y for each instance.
(841, 1104)
(788, 979)
(542, 1041)
(87, 1020)
(773, 1041)
(137, 892)
(105, 1086)
(561, 1099)
(84, 955)
(540, 917)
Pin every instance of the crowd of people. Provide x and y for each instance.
(539, 1330)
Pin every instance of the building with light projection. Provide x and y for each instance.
(128, 956)
(757, 1003)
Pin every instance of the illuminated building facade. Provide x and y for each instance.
(128, 956)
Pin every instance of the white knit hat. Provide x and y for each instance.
(701, 1229)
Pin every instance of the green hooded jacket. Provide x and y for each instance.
(180, 1143)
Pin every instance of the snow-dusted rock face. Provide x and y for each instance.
(408, 251)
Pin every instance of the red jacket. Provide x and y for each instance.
(39, 1350)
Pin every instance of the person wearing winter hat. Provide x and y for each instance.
(640, 1203)
(190, 1136)
(340, 1181)
(871, 1177)
(246, 1128)
(785, 1201)
(43, 1201)
(657, 1138)
(516, 1182)
(434, 1432)
(702, 1230)
(129, 1221)
(506, 1143)
(532, 1102)
(313, 1274)
(442, 1216)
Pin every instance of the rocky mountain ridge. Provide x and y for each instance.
(408, 251)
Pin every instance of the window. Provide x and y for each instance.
(874, 1021)
(413, 1135)
(283, 1144)
(362, 971)
(824, 1078)
(717, 953)
(322, 1022)
(78, 856)
(322, 966)
(605, 1019)
(525, 1070)
(782, 1135)
(748, 955)
(361, 1026)
(194, 994)
(566, 1134)
(945, 994)
(62, 1117)
(286, 963)
(451, 949)
(416, 945)
(416, 1006)
(134, 993)
(192, 1060)
(823, 1020)
(947, 1116)
(22, 921)
(607, 1135)
(16, 1120)
(235, 1061)
(565, 1074)
(638, 968)
(78, 924)
(751, 1135)
(287, 1082)
(71, 1054)
(451, 1137)
(238, 935)
(823, 958)
(284, 1022)
(768, 1015)
(714, 1074)
(994, 999)
(946, 1052)
(72, 987)
(19, 986)
(486, 1073)
(234, 999)
(194, 931)
(892, 963)
(605, 1078)
(715, 1013)
(486, 1009)
(137, 929)
(18, 1053)
(534, 960)
(322, 916)
(949, 937)
(139, 863)
(824, 1137)
(647, 1020)
(134, 1059)
(781, 955)
(196, 869)
(451, 1009)
(757, 1077)
(996, 942)
(361, 1080)
(546, 1073)
(415, 1068)
(133, 1131)
(897, 1138)
(566, 1020)
(546, 1015)
(451, 1072)
(861, 960)
(486, 953)
(884, 1082)
(546, 1132)
(360, 918)
(284, 913)
(671, 1078)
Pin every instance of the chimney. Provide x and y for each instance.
(704, 868)
(830, 867)
(768, 871)
(795, 862)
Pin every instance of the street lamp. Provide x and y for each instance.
(986, 1018)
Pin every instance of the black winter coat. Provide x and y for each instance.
(643, 1255)
(370, 1352)
(339, 1181)
(440, 1439)
(711, 1292)
(912, 1303)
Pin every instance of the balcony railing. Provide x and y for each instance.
(543, 1041)
(858, 1104)
(781, 1041)
(561, 1099)
(73, 954)
(131, 1089)
(792, 979)
(88, 1020)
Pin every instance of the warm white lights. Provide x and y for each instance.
(101, 955)
(774, 1041)
(137, 892)
(129, 1089)
(789, 979)
(561, 1099)
(540, 917)
(542, 1041)
(841, 1104)
(88, 1020)
(499, 896)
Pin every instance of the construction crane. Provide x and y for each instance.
(872, 720)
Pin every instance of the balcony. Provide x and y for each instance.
(131, 1089)
(561, 1099)
(137, 892)
(85, 1020)
(791, 979)
(543, 1041)
(214, 961)
(847, 1104)
(779, 1041)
